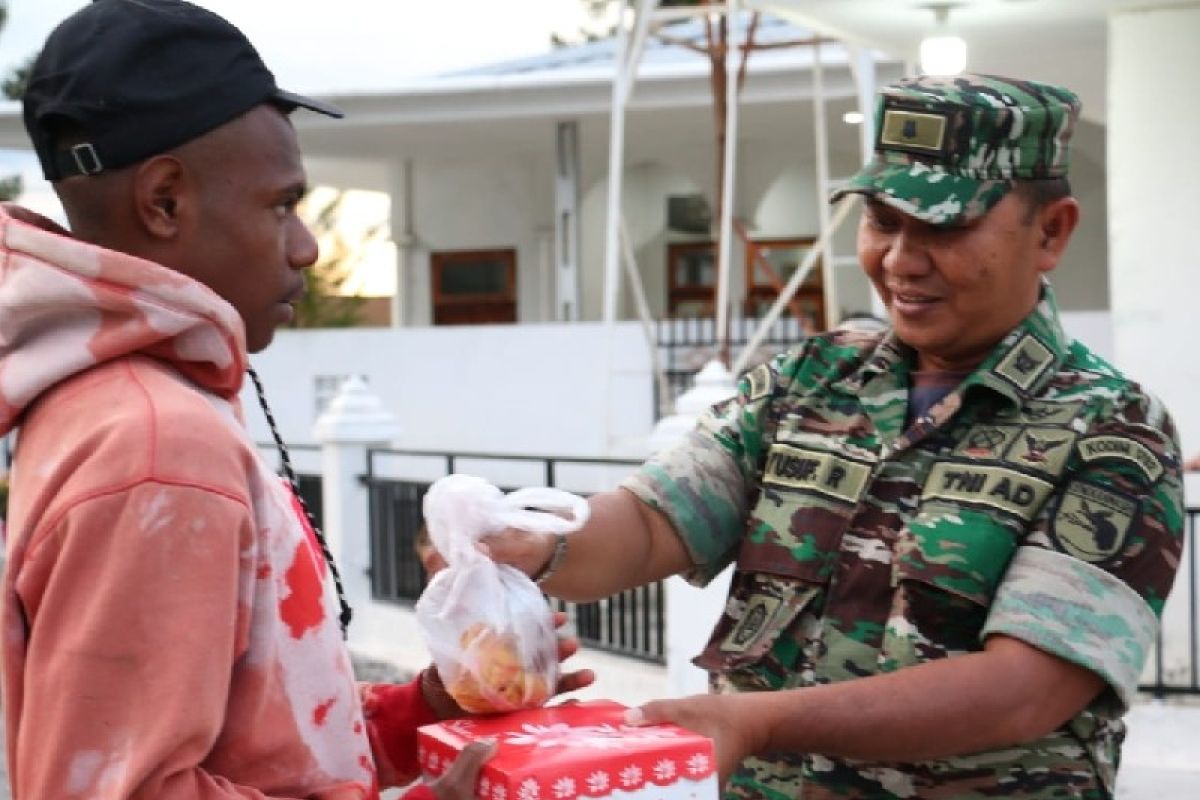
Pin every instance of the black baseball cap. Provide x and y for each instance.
(135, 78)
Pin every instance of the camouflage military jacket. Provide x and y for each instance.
(1041, 499)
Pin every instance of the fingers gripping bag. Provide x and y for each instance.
(487, 625)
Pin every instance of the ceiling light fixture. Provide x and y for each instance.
(943, 53)
(852, 118)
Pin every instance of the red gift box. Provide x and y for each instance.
(576, 750)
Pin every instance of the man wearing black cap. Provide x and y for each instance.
(952, 539)
(170, 626)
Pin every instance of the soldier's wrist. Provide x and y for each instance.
(553, 562)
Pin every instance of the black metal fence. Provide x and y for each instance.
(308, 477)
(630, 623)
(1172, 676)
(686, 345)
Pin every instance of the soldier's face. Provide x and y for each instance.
(953, 292)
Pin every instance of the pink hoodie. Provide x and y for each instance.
(168, 629)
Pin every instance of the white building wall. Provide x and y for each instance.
(541, 389)
(1153, 211)
(1155, 259)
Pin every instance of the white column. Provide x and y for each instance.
(566, 225)
(404, 235)
(354, 422)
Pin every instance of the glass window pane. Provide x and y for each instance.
(695, 268)
(475, 276)
(784, 260)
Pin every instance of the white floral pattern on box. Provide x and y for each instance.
(574, 751)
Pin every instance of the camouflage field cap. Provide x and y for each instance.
(947, 148)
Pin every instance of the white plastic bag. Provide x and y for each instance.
(487, 625)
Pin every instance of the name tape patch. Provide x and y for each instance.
(994, 487)
(1096, 448)
(816, 471)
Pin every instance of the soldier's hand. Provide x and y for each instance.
(525, 550)
(721, 718)
(458, 782)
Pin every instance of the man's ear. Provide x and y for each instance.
(164, 196)
(1056, 222)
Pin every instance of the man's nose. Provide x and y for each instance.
(906, 256)
(302, 246)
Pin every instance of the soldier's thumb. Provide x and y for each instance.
(651, 713)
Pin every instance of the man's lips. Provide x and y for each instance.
(911, 301)
(293, 297)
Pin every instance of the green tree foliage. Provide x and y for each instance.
(323, 305)
(14, 85)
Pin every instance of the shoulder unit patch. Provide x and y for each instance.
(1091, 522)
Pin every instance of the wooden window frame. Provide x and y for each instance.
(455, 309)
(809, 299)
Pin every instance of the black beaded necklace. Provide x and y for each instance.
(290, 474)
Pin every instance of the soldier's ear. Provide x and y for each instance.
(1056, 222)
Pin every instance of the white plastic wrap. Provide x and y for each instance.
(487, 625)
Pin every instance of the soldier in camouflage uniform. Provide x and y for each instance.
(953, 539)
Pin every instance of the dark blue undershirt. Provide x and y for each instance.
(928, 388)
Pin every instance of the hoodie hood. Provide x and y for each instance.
(67, 306)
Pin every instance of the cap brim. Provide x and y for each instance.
(926, 191)
(292, 100)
